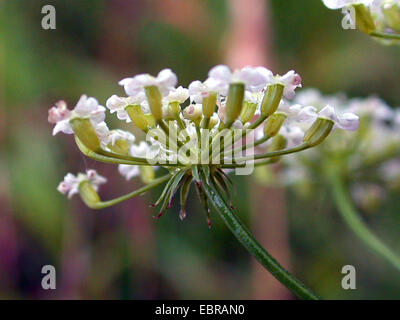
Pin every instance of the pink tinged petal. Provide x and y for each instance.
(307, 114)
(58, 112)
(63, 187)
(128, 171)
(221, 72)
(72, 192)
(348, 121)
(167, 78)
(254, 80)
(328, 112)
(115, 103)
(337, 4)
(63, 126)
(266, 73)
(125, 81)
(98, 115)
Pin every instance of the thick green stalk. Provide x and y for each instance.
(251, 244)
(356, 224)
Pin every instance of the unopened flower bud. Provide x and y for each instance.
(154, 99)
(174, 108)
(147, 174)
(234, 103)
(86, 133)
(248, 111)
(278, 143)
(136, 115)
(272, 98)
(213, 121)
(364, 20)
(274, 124)
(120, 147)
(151, 122)
(319, 130)
(88, 194)
(193, 112)
(209, 103)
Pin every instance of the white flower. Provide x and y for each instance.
(253, 97)
(346, 121)
(338, 4)
(293, 134)
(251, 77)
(103, 133)
(118, 134)
(85, 108)
(118, 104)
(128, 171)
(71, 183)
(142, 150)
(297, 113)
(193, 111)
(179, 94)
(199, 90)
(373, 107)
(291, 80)
(165, 81)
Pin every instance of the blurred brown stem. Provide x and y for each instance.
(249, 42)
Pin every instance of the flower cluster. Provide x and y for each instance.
(375, 146)
(378, 18)
(196, 134)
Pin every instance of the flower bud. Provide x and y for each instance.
(364, 20)
(234, 103)
(86, 133)
(209, 104)
(151, 122)
(213, 121)
(392, 15)
(319, 130)
(120, 147)
(147, 174)
(193, 112)
(274, 124)
(272, 98)
(88, 194)
(278, 143)
(248, 111)
(154, 99)
(136, 115)
(174, 108)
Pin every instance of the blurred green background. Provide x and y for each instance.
(122, 252)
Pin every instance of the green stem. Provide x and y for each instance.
(356, 224)
(299, 148)
(153, 184)
(108, 157)
(383, 35)
(251, 244)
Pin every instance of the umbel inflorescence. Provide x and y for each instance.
(233, 121)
